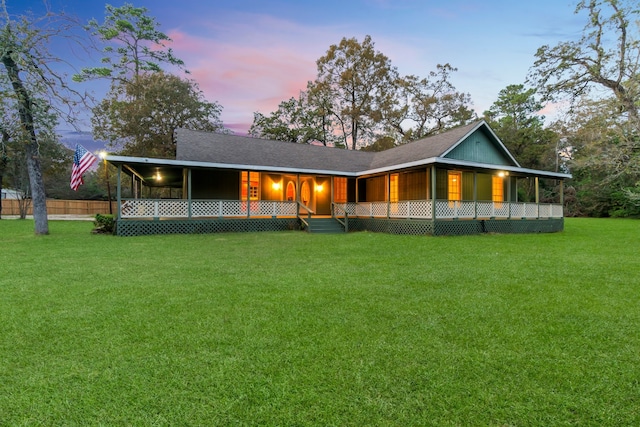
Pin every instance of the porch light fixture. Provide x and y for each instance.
(502, 174)
(102, 154)
(319, 188)
(158, 176)
(275, 186)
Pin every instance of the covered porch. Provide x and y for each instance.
(194, 198)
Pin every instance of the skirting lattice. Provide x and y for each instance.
(391, 226)
(145, 227)
(379, 225)
(455, 227)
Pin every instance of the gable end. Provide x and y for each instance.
(481, 147)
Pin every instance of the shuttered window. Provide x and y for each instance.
(340, 190)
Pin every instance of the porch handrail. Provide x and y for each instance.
(343, 212)
(309, 213)
(179, 208)
(336, 207)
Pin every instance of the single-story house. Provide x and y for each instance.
(463, 181)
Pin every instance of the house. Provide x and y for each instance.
(463, 181)
(10, 194)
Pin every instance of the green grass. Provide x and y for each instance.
(297, 329)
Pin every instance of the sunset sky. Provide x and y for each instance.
(249, 55)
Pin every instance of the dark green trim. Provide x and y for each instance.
(147, 227)
(456, 227)
(379, 225)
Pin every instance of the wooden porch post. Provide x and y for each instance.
(475, 194)
(119, 192)
(433, 192)
(561, 189)
(297, 194)
(248, 194)
(332, 195)
(537, 197)
(189, 192)
(509, 194)
(387, 178)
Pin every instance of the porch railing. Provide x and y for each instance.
(308, 210)
(446, 209)
(165, 208)
(341, 215)
(419, 209)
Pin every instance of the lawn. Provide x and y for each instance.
(299, 329)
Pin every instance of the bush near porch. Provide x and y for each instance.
(292, 328)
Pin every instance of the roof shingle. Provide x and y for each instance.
(239, 150)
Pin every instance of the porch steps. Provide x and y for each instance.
(324, 225)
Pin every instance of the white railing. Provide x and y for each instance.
(410, 209)
(419, 209)
(446, 209)
(153, 208)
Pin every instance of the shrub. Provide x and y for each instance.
(104, 224)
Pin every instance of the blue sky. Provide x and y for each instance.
(250, 55)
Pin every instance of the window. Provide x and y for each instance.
(340, 190)
(393, 187)
(291, 191)
(497, 189)
(254, 185)
(455, 186)
(305, 193)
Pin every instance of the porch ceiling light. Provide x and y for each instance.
(319, 187)
(502, 174)
(275, 186)
(158, 176)
(102, 154)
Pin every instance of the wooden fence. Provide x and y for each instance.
(63, 207)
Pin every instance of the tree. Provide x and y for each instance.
(426, 106)
(140, 116)
(137, 46)
(144, 105)
(606, 56)
(514, 118)
(295, 120)
(30, 84)
(357, 80)
(605, 162)
(359, 99)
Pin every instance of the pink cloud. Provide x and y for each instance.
(267, 63)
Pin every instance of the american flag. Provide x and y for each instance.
(82, 160)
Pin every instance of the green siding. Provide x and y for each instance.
(375, 190)
(467, 185)
(412, 185)
(484, 187)
(215, 184)
(351, 190)
(479, 147)
(442, 190)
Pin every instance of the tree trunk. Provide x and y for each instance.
(34, 169)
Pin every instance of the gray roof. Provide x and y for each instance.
(239, 150)
(198, 149)
(425, 148)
